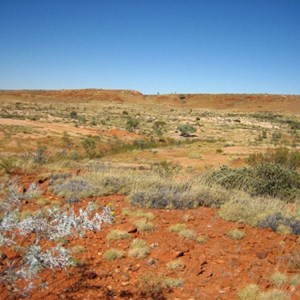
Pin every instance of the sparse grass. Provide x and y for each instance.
(187, 233)
(245, 209)
(138, 249)
(177, 227)
(113, 254)
(117, 234)
(250, 292)
(186, 217)
(201, 239)
(283, 229)
(77, 249)
(138, 214)
(8, 164)
(182, 231)
(274, 295)
(151, 283)
(79, 263)
(295, 279)
(170, 282)
(278, 279)
(294, 259)
(236, 234)
(43, 201)
(175, 264)
(144, 226)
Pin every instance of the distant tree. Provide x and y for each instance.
(159, 128)
(73, 115)
(40, 155)
(66, 139)
(186, 130)
(132, 123)
(89, 145)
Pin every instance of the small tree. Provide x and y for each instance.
(186, 130)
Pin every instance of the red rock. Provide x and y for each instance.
(179, 254)
(262, 255)
(132, 230)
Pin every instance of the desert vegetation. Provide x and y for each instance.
(178, 196)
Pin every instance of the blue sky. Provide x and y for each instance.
(165, 46)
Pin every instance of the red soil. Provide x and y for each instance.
(217, 269)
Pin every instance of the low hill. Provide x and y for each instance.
(228, 102)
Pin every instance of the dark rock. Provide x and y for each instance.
(262, 254)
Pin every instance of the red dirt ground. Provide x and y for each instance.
(60, 128)
(217, 269)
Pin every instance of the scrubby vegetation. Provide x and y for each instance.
(27, 235)
(165, 169)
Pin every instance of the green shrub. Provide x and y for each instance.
(265, 179)
(73, 115)
(159, 128)
(132, 123)
(186, 130)
(275, 181)
(89, 145)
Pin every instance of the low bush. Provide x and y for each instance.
(261, 180)
(249, 292)
(281, 156)
(275, 220)
(73, 189)
(117, 234)
(27, 237)
(138, 249)
(278, 279)
(236, 234)
(186, 130)
(251, 210)
(177, 195)
(113, 254)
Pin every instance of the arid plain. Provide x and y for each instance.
(205, 191)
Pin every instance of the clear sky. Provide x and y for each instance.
(165, 46)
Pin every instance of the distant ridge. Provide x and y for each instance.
(228, 102)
